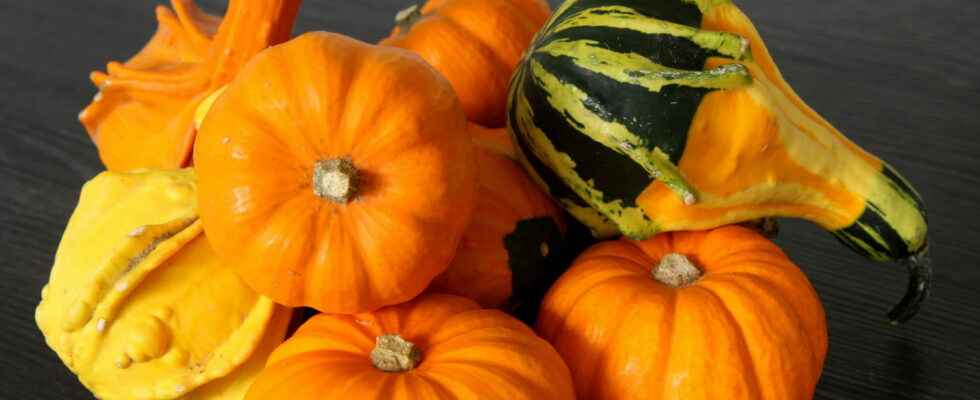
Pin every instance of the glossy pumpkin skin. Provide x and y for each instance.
(323, 97)
(751, 327)
(142, 115)
(514, 229)
(686, 123)
(476, 44)
(466, 353)
(136, 295)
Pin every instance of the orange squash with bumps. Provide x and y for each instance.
(142, 116)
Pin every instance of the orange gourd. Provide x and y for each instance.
(435, 347)
(336, 174)
(720, 314)
(476, 44)
(142, 116)
(507, 245)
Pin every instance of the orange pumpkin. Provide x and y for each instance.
(476, 44)
(335, 174)
(437, 346)
(142, 116)
(718, 314)
(507, 245)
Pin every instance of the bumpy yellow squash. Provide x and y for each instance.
(138, 305)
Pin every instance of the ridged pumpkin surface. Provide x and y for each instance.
(336, 174)
(476, 44)
(514, 229)
(460, 352)
(138, 305)
(750, 327)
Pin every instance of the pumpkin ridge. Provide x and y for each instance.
(780, 294)
(754, 380)
(616, 332)
(495, 57)
(776, 294)
(666, 347)
(496, 372)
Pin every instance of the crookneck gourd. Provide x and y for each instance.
(720, 314)
(142, 115)
(651, 116)
(506, 256)
(436, 346)
(138, 305)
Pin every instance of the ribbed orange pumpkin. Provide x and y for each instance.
(435, 347)
(638, 320)
(476, 44)
(336, 174)
(514, 229)
(142, 116)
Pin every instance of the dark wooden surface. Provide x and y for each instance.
(899, 77)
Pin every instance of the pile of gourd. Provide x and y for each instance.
(415, 192)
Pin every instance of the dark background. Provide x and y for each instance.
(898, 77)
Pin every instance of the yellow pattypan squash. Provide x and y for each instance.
(138, 305)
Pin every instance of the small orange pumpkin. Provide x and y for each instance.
(142, 116)
(437, 346)
(719, 314)
(476, 44)
(335, 174)
(516, 227)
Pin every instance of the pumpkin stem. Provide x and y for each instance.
(407, 18)
(676, 270)
(920, 282)
(392, 353)
(336, 180)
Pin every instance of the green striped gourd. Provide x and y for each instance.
(646, 116)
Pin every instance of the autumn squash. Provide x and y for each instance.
(434, 347)
(137, 296)
(142, 115)
(505, 251)
(476, 44)
(719, 314)
(336, 174)
(643, 117)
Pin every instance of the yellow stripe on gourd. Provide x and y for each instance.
(570, 101)
(630, 220)
(620, 17)
(634, 69)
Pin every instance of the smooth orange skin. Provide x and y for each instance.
(506, 196)
(467, 353)
(737, 147)
(751, 328)
(476, 44)
(324, 96)
(143, 114)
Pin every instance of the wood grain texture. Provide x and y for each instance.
(899, 77)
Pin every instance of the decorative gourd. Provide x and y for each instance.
(652, 116)
(720, 314)
(476, 44)
(142, 115)
(138, 305)
(506, 247)
(436, 346)
(336, 174)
